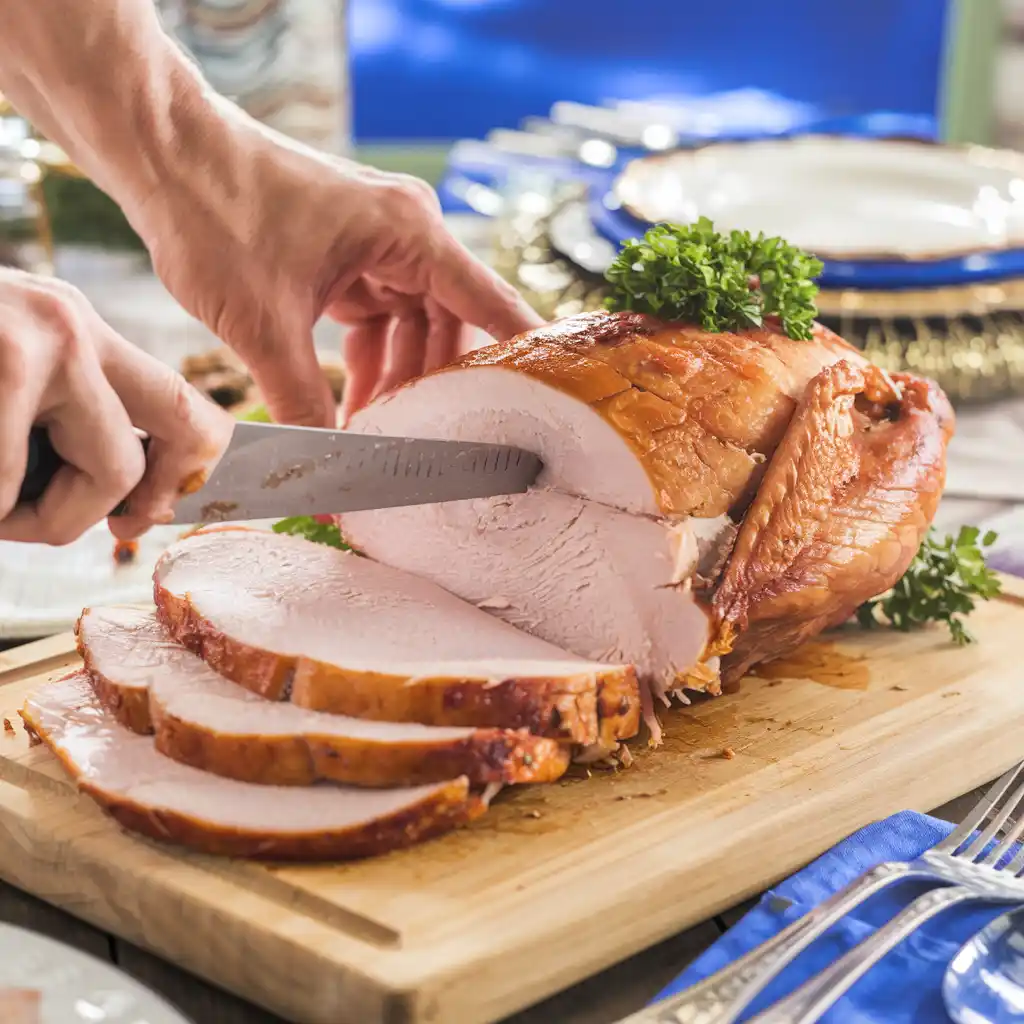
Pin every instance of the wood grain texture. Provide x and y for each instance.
(557, 882)
(200, 1002)
(25, 911)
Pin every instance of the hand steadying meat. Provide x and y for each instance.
(62, 366)
(254, 234)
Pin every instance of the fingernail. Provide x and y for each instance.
(163, 518)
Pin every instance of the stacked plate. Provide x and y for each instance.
(922, 244)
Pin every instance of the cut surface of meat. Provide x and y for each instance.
(152, 684)
(341, 633)
(654, 439)
(151, 794)
(604, 584)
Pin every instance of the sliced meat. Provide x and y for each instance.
(152, 684)
(337, 632)
(840, 514)
(21, 1006)
(654, 439)
(149, 793)
(606, 585)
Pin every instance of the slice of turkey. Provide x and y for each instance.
(153, 685)
(21, 1006)
(337, 632)
(151, 794)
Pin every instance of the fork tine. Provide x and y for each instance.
(980, 811)
(1016, 866)
(1005, 844)
(999, 816)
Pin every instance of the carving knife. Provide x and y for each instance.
(271, 471)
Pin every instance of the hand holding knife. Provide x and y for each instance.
(271, 471)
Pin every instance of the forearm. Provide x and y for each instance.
(104, 81)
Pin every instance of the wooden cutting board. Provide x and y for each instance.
(556, 882)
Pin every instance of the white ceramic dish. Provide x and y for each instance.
(841, 198)
(76, 988)
(43, 590)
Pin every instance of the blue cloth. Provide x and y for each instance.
(905, 987)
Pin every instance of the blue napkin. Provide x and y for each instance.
(905, 987)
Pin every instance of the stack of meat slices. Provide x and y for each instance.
(291, 701)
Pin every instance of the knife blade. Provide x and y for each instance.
(271, 471)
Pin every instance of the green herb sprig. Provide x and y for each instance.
(310, 528)
(941, 585)
(258, 414)
(722, 282)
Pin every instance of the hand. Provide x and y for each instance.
(301, 234)
(62, 367)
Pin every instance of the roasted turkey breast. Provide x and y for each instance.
(705, 495)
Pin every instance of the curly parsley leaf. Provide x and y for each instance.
(941, 585)
(319, 530)
(721, 281)
(258, 414)
(312, 529)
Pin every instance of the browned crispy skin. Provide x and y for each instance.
(840, 513)
(130, 707)
(562, 708)
(449, 807)
(702, 411)
(446, 810)
(489, 755)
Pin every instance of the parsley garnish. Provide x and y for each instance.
(257, 415)
(312, 529)
(940, 586)
(308, 527)
(722, 282)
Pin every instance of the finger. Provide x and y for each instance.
(477, 295)
(444, 337)
(407, 351)
(188, 434)
(21, 392)
(290, 378)
(91, 431)
(363, 350)
(365, 298)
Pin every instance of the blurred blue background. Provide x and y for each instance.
(446, 69)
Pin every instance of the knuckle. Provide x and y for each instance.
(60, 534)
(123, 473)
(14, 364)
(65, 313)
(411, 196)
(180, 400)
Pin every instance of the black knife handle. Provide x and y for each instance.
(43, 464)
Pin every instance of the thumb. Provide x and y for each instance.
(477, 295)
(294, 386)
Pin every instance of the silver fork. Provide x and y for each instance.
(721, 998)
(982, 878)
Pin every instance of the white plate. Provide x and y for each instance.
(841, 198)
(76, 988)
(43, 590)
